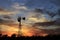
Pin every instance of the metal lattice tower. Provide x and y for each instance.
(0, 30)
(20, 27)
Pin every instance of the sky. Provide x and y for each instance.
(42, 17)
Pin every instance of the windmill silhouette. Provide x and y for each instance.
(20, 27)
(0, 30)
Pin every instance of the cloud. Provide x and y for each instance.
(8, 20)
(7, 12)
(2, 9)
(53, 32)
(38, 10)
(33, 16)
(6, 16)
(41, 19)
(45, 15)
(46, 23)
(17, 6)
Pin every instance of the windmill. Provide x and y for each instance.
(0, 30)
(20, 27)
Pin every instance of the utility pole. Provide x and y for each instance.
(20, 27)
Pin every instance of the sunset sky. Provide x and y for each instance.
(37, 21)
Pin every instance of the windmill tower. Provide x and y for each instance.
(20, 27)
(0, 30)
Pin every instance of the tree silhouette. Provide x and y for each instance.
(5, 36)
(13, 35)
(0, 35)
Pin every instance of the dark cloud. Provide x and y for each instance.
(47, 23)
(52, 14)
(57, 21)
(49, 7)
(1, 20)
(44, 23)
(7, 16)
(48, 31)
(6, 19)
(52, 32)
(1, 9)
(46, 13)
(38, 10)
(58, 11)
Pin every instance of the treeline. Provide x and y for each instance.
(13, 37)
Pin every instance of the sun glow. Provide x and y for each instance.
(26, 31)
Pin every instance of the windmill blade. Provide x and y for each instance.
(19, 19)
(23, 18)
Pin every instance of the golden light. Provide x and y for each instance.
(38, 20)
(26, 31)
